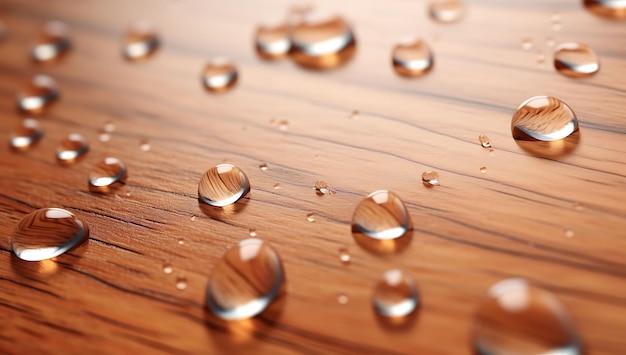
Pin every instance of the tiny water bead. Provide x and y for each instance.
(612, 9)
(575, 60)
(263, 167)
(107, 175)
(277, 186)
(518, 318)
(321, 188)
(71, 148)
(381, 215)
(483, 169)
(219, 75)
(181, 242)
(310, 217)
(395, 294)
(47, 233)
(344, 255)
(283, 125)
(245, 281)
(550, 42)
(53, 42)
(104, 137)
(527, 43)
(144, 146)
(26, 134)
(167, 268)
(484, 141)
(342, 298)
(181, 283)
(543, 118)
(412, 58)
(252, 232)
(38, 94)
(272, 41)
(569, 233)
(322, 42)
(108, 127)
(430, 178)
(446, 11)
(223, 185)
(141, 41)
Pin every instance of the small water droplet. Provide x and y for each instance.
(223, 185)
(283, 125)
(38, 94)
(569, 233)
(167, 268)
(543, 118)
(219, 75)
(26, 134)
(193, 218)
(277, 186)
(181, 283)
(541, 58)
(446, 11)
(108, 127)
(381, 215)
(395, 294)
(263, 167)
(577, 206)
(527, 43)
(342, 298)
(430, 178)
(344, 255)
(354, 115)
(518, 318)
(141, 41)
(612, 9)
(47, 233)
(252, 232)
(484, 141)
(272, 41)
(104, 137)
(310, 217)
(181, 242)
(483, 169)
(127, 194)
(412, 58)
(53, 42)
(575, 60)
(71, 148)
(107, 175)
(144, 145)
(321, 188)
(245, 281)
(550, 42)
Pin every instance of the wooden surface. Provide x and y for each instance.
(112, 296)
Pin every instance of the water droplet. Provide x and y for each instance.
(193, 218)
(354, 115)
(543, 118)
(26, 134)
(518, 318)
(144, 145)
(263, 167)
(108, 127)
(283, 125)
(381, 215)
(46, 233)
(310, 217)
(541, 58)
(38, 94)
(430, 178)
(395, 294)
(107, 175)
(276, 185)
(245, 281)
(127, 194)
(412, 58)
(253, 232)
(577, 206)
(342, 298)
(53, 42)
(344, 255)
(484, 141)
(104, 137)
(321, 188)
(181, 283)
(272, 41)
(483, 169)
(550, 42)
(569, 233)
(446, 11)
(575, 60)
(167, 268)
(223, 185)
(219, 75)
(612, 9)
(527, 43)
(322, 42)
(141, 41)
(71, 148)
(181, 242)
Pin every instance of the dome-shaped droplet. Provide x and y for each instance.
(219, 75)
(575, 60)
(53, 42)
(107, 175)
(484, 141)
(245, 281)
(395, 294)
(71, 148)
(141, 41)
(543, 118)
(223, 185)
(430, 178)
(46, 233)
(446, 11)
(613, 9)
(26, 134)
(272, 41)
(39, 93)
(322, 42)
(518, 318)
(382, 215)
(412, 58)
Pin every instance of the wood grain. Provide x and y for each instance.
(112, 296)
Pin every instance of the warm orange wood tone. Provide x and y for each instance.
(112, 296)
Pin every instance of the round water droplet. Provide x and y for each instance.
(569, 233)
(321, 188)
(276, 186)
(395, 294)
(38, 94)
(310, 217)
(412, 58)
(382, 215)
(263, 167)
(104, 137)
(181, 242)
(181, 283)
(543, 118)
(344, 255)
(53, 42)
(245, 281)
(219, 75)
(46, 233)
(71, 148)
(223, 185)
(167, 268)
(550, 42)
(541, 58)
(518, 318)
(108, 127)
(26, 134)
(527, 43)
(612, 9)
(322, 42)
(430, 178)
(272, 41)
(342, 298)
(483, 169)
(484, 141)
(193, 218)
(575, 60)
(144, 145)
(107, 175)
(252, 232)
(141, 41)
(446, 11)
(283, 125)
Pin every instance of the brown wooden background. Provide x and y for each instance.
(112, 295)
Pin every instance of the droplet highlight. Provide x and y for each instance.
(141, 42)
(38, 94)
(344, 255)
(181, 283)
(342, 298)
(108, 175)
(322, 188)
(483, 169)
(484, 141)
(527, 43)
(611, 9)
(381, 215)
(263, 167)
(223, 185)
(144, 146)
(71, 148)
(167, 268)
(252, 232)
(283, 125)
(430, 178)
(412, 58)
(446, 11)
(272, 41)
(310, 217)
(575, 60)
(53, 42)
(395, 294)
(26, 134)
(219, 75)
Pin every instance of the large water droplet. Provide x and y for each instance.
(272, 41)
(107, 175)
(245, 281)
(430, 178)
(219, 75)
(412, 58)
(223, 185)
(141, 41)
(381, 215)
(39, 93)
(613, 9)
(26, 134)
(46, 233)
(53, 42)
(71, 148)
(446, 11)
(575, 60)
(322, 42)
(518, 318)
(395, 294)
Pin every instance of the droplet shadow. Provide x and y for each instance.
(399, 324)
(225, 211)
(382, 246)
(547, 149)
(48, 267)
